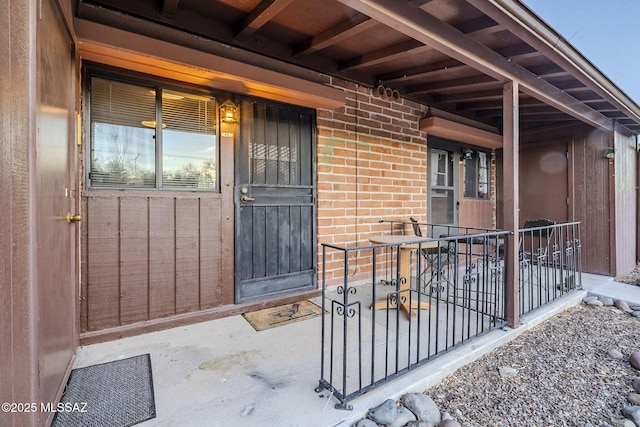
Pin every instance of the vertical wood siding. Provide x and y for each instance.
(625, 203)
(149, 257)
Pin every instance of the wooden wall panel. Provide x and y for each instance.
(187, 255)
(103, 246)
(625, 203)
(210, 251)
(134, 260)
(162, 257)
(476, 213)
(589, 191)
(152, 256)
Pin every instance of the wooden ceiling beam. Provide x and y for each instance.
(336, 34)
(414, 22)
(497, 104)
(421, 72)
(260, 15)
(516, 15)
(391, 53)
(481, 95)
(458, 85)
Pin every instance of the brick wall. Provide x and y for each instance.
(372, 165)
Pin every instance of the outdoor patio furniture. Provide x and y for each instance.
(437, 260)
(406, 304)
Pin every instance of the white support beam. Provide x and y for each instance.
(414, 22)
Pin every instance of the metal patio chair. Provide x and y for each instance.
(436, 264)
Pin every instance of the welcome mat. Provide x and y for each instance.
(116, 394)
(268, 318)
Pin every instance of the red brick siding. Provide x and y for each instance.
(372, 165)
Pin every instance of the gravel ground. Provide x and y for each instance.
(565, 375)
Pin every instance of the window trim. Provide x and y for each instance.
(158, 84)
(476, 158)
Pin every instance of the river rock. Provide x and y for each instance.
(403, 417)
(589, 298)
(507, 372)
(634, 359)
(636, 313)
(636, 384)
(622, 305)
(606, 301)
(615, 354)
(633, 413)
(419, 424)
(595, 302)
(634, 399)
(449, 423)
(366, 422)
(384, 413)
(424, 408)
(622, 423)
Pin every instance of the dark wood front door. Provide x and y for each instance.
(275, 201)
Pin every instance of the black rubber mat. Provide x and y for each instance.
(116, 394)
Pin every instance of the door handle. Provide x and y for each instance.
(73, 218)
(247, 199)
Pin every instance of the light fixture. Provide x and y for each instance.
(467, 153)
(228, 112)
(609, 153)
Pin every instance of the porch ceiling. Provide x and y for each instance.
(453, 55)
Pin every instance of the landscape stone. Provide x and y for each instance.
(449, 423)
(384, 413)
(606, 301)
(366, 422)
(634, 399)
(506, 372)
(595, 302)
(633, 413)
(419, 424)
(634, 359)
(636, 384)
(622, 305)
(589, 298)
(403, 417)
(424, 408)
(615, 354)
(636, 313)
(622, 423)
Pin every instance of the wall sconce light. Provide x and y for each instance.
(467, 153)
(228, 112)
(609, 153)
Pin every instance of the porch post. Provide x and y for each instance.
(511, 203)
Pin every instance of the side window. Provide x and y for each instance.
(148, 136)
(476, 174)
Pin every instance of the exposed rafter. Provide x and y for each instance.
(260, 15)
(343, 31)
(414, 22)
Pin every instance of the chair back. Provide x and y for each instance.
(416, 227)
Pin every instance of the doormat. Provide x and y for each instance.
(268, 318)
(117, 394)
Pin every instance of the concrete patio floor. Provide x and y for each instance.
(224, 373)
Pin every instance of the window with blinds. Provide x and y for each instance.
(476, 175)
(151, 137)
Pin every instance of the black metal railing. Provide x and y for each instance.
(550, 261)
(430, 296)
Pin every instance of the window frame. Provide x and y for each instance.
(158, 84)
(475, 157)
